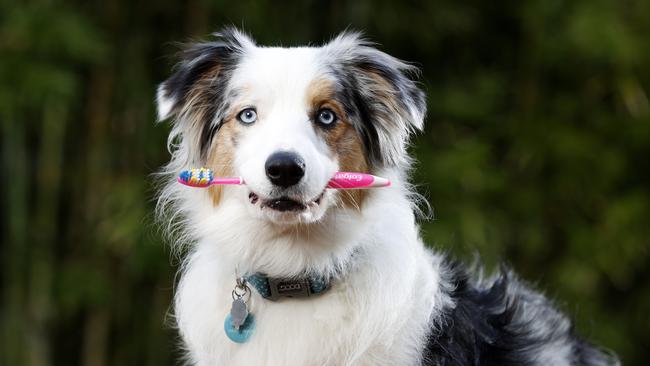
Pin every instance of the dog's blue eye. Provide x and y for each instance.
(326, 117)
(247, 116)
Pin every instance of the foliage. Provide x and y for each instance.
(536, 152)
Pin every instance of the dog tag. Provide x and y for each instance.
(239, 323)
(238, 313)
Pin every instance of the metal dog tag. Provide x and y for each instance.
(239, 323)
(238, 313)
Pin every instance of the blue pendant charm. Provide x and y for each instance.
(239, 323)
(244, 332)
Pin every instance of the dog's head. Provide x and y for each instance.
(287, 119)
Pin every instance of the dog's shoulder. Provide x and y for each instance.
(501, 321)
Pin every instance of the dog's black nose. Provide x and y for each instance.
(284, 168)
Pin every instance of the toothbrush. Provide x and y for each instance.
(204, 177)
(354, 180)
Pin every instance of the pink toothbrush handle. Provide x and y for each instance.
(233, 180)
(351, 180)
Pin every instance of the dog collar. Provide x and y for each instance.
(276, 288)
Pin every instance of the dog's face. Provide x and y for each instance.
(287, 119)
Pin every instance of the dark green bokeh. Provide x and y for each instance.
(536, 152)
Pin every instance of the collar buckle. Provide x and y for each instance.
(283, 287)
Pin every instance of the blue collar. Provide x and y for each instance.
(276, 288)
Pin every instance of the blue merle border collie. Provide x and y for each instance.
(282, 271)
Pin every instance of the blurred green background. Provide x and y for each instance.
(536, 152)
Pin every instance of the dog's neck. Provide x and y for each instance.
(323, 248)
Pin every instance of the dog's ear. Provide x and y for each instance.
(196, 95)
(201, 64)
(380, 92)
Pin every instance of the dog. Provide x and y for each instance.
(282, 271)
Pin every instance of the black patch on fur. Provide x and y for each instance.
(406, 90)
(358, 110)
(491, 325)
(588, 354)
(196, 60)
(361, 104)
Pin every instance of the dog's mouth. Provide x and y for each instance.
(284, 203)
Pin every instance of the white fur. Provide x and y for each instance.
(164, 104)
(275, 81)
(382, 307)
(378, 314)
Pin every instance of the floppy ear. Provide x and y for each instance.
(198, 61)
(196, 93)
(379, 92)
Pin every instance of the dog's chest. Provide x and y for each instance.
(295, 332)
(333, 328)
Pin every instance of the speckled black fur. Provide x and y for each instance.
(195, 60)
(502, 322)
(368, 111)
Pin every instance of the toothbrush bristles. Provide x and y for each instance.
(197, 177)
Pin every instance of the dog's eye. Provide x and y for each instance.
(247, 116)
(326, 117)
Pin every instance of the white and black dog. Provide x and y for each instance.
(330, 277)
